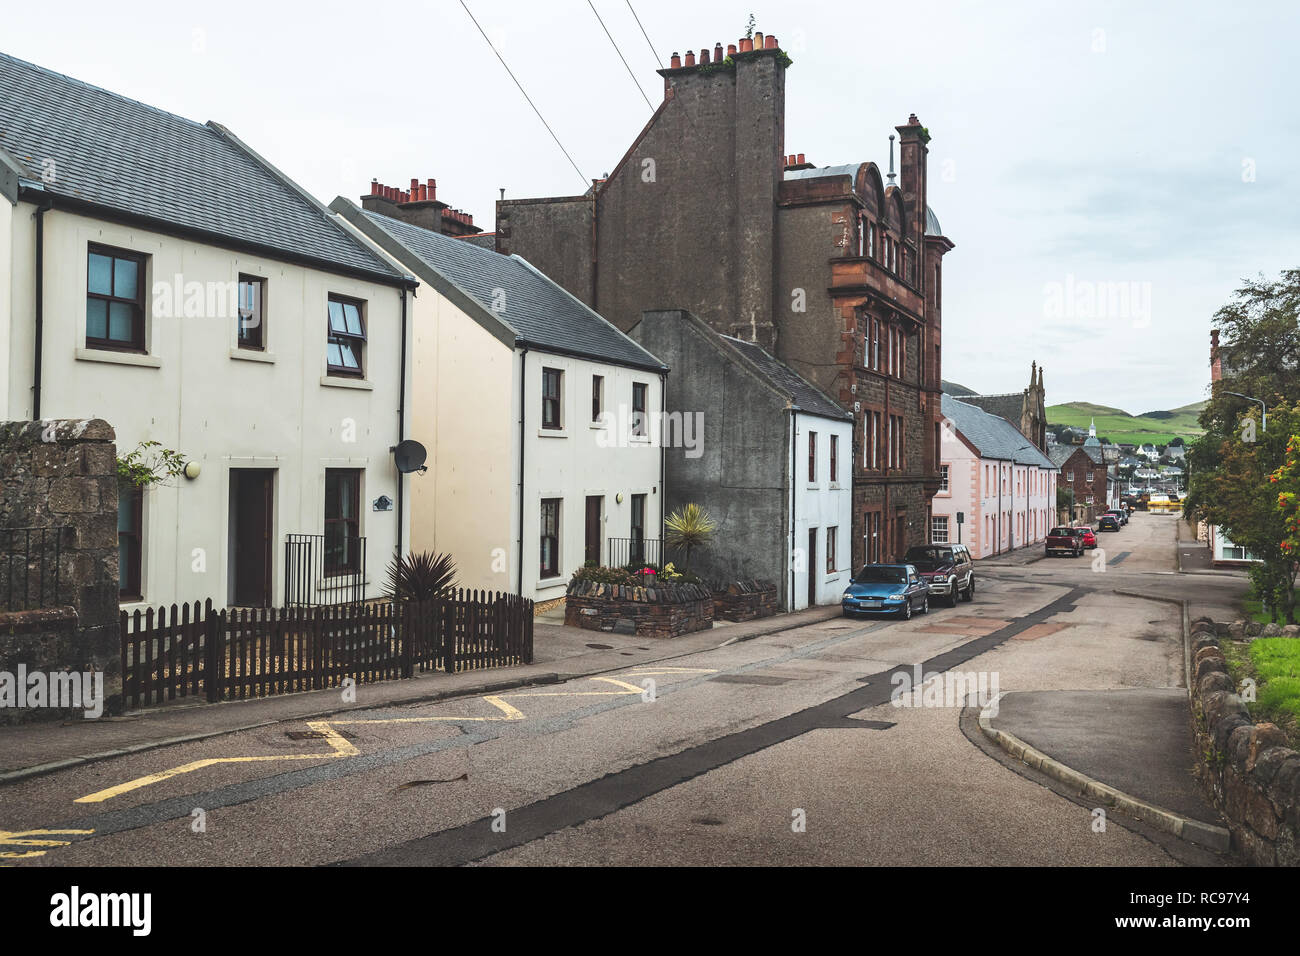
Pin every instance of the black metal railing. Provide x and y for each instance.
(636, 550)
(31, 562)
(322, 570)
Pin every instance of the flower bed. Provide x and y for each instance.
(661, 610)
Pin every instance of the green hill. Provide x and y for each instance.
(1159, 427)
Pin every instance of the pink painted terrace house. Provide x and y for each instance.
(1002, 486)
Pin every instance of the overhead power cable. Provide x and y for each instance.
(621, 57)
(585, 182)
(646, 35)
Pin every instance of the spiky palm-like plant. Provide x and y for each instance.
(420, 576)
(689, 528)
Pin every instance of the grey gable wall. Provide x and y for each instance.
(741, 477)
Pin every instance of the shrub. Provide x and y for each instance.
(420, 577)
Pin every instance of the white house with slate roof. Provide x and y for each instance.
(539, 417)
(157, 273)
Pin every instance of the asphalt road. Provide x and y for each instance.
(783, 749)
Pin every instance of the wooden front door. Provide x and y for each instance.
(251, 529)
(595, 505)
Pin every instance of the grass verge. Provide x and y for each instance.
(1273, 663)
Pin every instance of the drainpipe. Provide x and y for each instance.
(401, 429)
(663, 491)
(39, 340)
(794, 497)
(523, 397)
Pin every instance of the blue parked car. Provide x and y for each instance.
(887, 589)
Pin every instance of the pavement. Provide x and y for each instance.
(1138, 741)
(1135, 741)
(560, 653)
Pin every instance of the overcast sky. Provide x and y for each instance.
(1108, 171)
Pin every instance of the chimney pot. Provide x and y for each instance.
(769, 43)
(799, 159)
(717, 52)
(758, 40)
(374, 187)
(424, 193)
(690, 57)
(415, 188)
(675, 62)
(704, 56)
(731, 49)
(746, 44)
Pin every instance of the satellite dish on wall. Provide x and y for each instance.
(409, 456)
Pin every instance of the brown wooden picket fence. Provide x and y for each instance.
(192, 650)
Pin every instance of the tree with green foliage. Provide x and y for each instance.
(149, 463)
(1234, 464)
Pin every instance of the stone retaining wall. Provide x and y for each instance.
(745, 601)
(1252, 774)
(661, 611)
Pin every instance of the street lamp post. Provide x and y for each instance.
(1258, 401)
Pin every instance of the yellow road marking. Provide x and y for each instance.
(510, 712)
(630, 688)
(342, 747)
(25, 838)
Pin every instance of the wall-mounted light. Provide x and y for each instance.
(192, 469)
(619, 497)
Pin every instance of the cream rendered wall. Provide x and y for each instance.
(571, 464)
(822, 504)
(222, 407)
(6, 295)
(463, 410)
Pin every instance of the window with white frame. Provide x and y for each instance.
(939, 529)
(943, 477)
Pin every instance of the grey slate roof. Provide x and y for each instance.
(993, 436)
(1010, 406)
(135, 159)
(1060, 454)
(536, 310)
(803, 394)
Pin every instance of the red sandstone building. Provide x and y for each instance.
(837, 271)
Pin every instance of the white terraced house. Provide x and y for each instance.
(540, 417)
(158, 274)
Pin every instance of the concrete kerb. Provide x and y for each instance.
(39, 770)
(1185, 828)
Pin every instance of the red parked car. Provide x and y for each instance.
(1087, 536)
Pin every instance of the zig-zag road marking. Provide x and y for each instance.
(340, 747)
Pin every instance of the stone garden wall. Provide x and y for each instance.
(666, 610)
(745, 601)
(1252, 774)
(59, 477)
